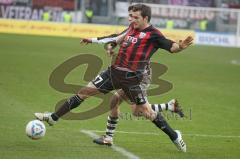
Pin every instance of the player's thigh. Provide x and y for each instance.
(138, 93)
(135, 94)
(145, 83)
(120, 94)
(89, 90)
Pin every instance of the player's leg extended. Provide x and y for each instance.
(137, 95)
(100, 84)
(172, 106)
(68, 105)
(112, 119)
(75, 101)
(161, 123)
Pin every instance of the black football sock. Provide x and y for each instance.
(67, 106)
(160, 122)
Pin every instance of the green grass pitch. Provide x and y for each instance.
(205, 81)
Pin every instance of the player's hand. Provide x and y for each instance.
(183, 44)
(85, 41)
(109, 47)
(109, 50)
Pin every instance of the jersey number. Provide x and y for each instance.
(98, 79)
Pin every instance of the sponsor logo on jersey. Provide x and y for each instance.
(142, 35)
(132, 39)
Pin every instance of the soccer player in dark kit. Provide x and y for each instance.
(110, 43)
(141, 41)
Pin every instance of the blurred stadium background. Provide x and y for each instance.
(36, 36)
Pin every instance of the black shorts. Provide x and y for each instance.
(103, 82)
(133, 84)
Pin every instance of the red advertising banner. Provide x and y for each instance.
(64, 4)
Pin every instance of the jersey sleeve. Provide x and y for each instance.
(110, 38)
(161, 42)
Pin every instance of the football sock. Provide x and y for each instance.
(54, 117)
(156, 107)
(160, 122)
(159, 107)
(164, 106)
(70, 104)
(111, 126)
(170, 105)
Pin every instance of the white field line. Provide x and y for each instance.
(116, 148)
(150, 133)
(235, 62)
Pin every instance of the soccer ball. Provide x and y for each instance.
(35, 129)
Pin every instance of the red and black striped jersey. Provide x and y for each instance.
(138, 46)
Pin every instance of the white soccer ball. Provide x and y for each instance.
(35, 129)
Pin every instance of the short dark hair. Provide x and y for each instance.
(145, 10)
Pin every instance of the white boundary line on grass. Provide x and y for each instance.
(116, 148)
(235, 62)
(150, 133)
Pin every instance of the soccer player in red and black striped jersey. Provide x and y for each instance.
(138, 45)
(173, 105)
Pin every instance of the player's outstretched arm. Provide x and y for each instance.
(113, 38)
(101, 40)
(85, 41)
(182, 44)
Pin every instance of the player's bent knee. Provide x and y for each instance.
(117, 98)
(137, 112)
(140, 110)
